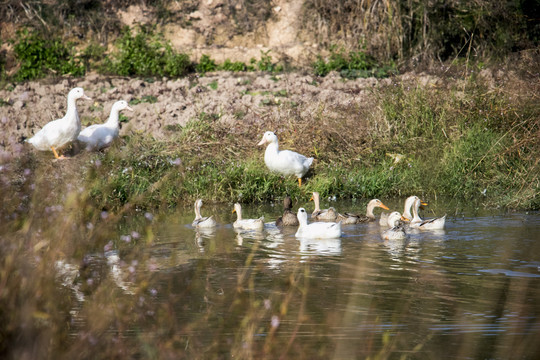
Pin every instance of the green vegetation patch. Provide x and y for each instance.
(39, 56)
(457, 143)
(146, 54)
(351, 64)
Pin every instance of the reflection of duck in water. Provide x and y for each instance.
(316, 230)
(68, 274)
(396, 231)
(246, 234)
(202, 222)
(430, 224)
(321, 246)
(117, 274)
(329, 214)
(202, 233)
(246, 224)
(348, 218)
(288, 218)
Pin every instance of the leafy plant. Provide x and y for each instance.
(265, 63)
(39, 57)
(150, 99)
(146, 54)
(353, 64)
(213, 85)
(206, 64)
(235, 66)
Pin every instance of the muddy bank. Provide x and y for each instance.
(163, 106)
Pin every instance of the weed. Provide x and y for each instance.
(235, 66)
(206, 64)
(353, 64)
(146, 54)
(150, 99)
(39, 57)
(265, 63)
(213, 85)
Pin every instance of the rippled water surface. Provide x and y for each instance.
(469, 291)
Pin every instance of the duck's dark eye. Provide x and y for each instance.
(302, 210)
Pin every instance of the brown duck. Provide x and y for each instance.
(288, 218)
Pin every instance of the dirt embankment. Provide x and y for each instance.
(162, 106)
(235, 99)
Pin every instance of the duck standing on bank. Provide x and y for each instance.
(99, 136)
(284, 162)
(316, 230)
(57, 134)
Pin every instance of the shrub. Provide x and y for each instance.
(39, 57)
(146, 54)
(265, 63)
(354, 64)
(206, 64)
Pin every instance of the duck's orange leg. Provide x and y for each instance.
(56, 154)
(299, 182)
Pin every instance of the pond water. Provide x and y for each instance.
(157, 288)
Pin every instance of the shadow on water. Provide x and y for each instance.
(152, 286)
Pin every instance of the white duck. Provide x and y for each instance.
(396, 231)
(406, 211)
(348, 218)
(58, 133)
(430, 224)
(99, 136)
(316, 230)
(329, 214)
(247, 224)
(202, 222)
(408, 205)
(285, 162)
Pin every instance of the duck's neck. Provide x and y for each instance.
(316, 201)
(369, 211)
(113, 118)
(407, 210)
(238, 214)
(302, 221)
(71, 113)
(415, 216)
(272, 149)
(197, 212)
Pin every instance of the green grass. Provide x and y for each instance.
(448, 146)
(465, 142)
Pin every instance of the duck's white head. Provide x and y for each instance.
(302, 216)
(121, 105)
(237, 208)
(409, 202)
(377, 203)
(198, 203)
(77, 93)
(394, 218)
(268, 137)
(419, 203)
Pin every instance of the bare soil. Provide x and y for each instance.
(162, 106)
